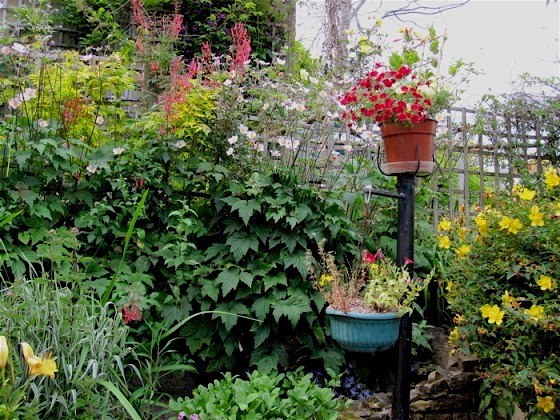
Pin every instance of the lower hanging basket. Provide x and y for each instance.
(409, 148)
(364, 332)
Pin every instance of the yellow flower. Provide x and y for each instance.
(444, 242)
(509, 300)
(493, 313)
(482, 223)
(38, 366)
(324, 279)
(444, 225)
(454, 334)
(449, 286)
(551, 178)
(463, 250)
(546, 282)
(4, 351)
(536, 312)
(462, 232)
(526, 194)
(545, 403)
(536, 217)
(511, 225)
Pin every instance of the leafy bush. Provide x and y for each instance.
(502, 275)
(287, 396)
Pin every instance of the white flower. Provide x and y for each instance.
(243, 128)
(347, 148)
(280, 61)
(14, 103)
(28, 94)
(19, 48)
(229, 151)
(275, 153)
(180, 144)
(304, 74)
(86, 57)
(99, 120)
(300, 107)
(91, 168)
(251, 135)
(232, 140)
(265, 106)
(118, 150)
(313, 80)
(259, 147)
(227, 82)
(368, 134)
(5, 50)
(43, 123)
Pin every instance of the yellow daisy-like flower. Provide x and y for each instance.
(444, 242)
(38, 366)
(494, 314)
(324, 279)
(526, 194)
(444, 225)
(546, 404)
(462, 232)
(537, 218)
(511, 225)
(449, 286)
(462, 251)
(546, 282)
(551, 178)
(535, 312)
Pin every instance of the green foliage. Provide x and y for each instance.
(502, 275)
(276, 395)
(87, 340)
(253, 263)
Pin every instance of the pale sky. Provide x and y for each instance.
(503, 38)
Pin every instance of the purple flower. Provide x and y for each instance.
(194, 416)
(181, 415)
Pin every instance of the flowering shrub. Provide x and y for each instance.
(407, 89)
(502, 282)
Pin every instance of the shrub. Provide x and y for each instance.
(502, 282)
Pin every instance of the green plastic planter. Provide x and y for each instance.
(365, 333)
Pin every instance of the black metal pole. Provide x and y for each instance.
(405, 249)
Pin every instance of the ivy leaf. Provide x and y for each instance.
(297, 261)
(210, 289)
(245, 208)
(292, 308)
(229, 279)
(240, 243)
(246, 277)
(273, 281)
(261, 334)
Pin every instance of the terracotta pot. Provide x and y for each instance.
(409, 148)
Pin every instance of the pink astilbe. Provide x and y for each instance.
(241, 48)
(139, 14)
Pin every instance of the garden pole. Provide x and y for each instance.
(405, 249)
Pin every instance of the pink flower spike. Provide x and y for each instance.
(408, 261)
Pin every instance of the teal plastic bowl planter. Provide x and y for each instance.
(365, 333)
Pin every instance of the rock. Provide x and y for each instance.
(448, 403)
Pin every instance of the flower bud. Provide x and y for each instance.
(3, 351)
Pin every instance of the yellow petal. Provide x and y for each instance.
(46, 367)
